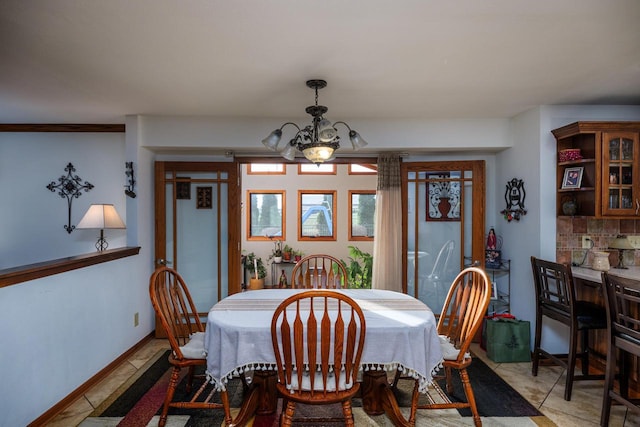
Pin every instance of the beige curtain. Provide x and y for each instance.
(387, 246)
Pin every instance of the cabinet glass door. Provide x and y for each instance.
(620, 170)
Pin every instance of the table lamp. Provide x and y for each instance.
(101, 216)
(621, 243)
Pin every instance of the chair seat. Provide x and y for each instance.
(449, 351)
(590, 315)
(194, 349)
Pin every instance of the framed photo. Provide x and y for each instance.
(494, 290)
(572, 177)
(492, 258)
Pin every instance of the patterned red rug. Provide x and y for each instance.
(136, 402)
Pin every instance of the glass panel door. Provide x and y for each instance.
(445, 216)
(194, 234)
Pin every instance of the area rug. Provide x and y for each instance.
(139, 402)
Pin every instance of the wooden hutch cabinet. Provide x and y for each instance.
(608, 162)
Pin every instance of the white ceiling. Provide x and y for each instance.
(93, 61)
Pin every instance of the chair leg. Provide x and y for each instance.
(449, 380)
(414, 404)
(287, 414)
(173, 383)
(536, 346)
(610, 373)
(571, 362)
(468, 391)
(224, 398)
(584, 356)
(190, 379)
(347, 413)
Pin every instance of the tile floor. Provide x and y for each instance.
(544, 391)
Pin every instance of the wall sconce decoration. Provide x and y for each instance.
(514, 197)
(131, 185)
(70, 187)
(101, 217)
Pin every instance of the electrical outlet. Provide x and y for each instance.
(136, 319)
(586, 242)
(635, 241)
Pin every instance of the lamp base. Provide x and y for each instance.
(101, 244)
(621, 265)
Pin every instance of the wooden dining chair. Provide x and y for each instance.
(318, 337)
(622, 303)
(461, 316)
(556, 299)
(319, 271)
(180, 320)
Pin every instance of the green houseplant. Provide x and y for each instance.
(257, 269)
(359, 268)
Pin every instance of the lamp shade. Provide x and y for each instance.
(621, 242)
(102, 217)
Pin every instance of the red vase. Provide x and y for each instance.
(444, 207)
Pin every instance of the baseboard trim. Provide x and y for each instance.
(77, 393)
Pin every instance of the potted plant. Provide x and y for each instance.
(286, 253)
(276, 253)
(297, 255)
(359, 268)
(258, 271)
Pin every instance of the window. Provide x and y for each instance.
(317, 215)
(266, 169)
(368, 169)
(266, 215)
(312, 169)
(362, 207)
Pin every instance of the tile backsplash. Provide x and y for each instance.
(569, 232)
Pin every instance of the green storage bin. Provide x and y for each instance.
(508, 340)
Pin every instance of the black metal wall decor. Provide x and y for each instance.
(514, 197)
(70, 187)
(129, 189)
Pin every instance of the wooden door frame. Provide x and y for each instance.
(477, 168)
(233, 246)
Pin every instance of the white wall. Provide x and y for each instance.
(35, 215)
(533, 159)
(59, 331)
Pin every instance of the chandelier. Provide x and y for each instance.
(317, 141)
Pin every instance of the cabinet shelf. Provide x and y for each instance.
(575, 190)
(576, 162)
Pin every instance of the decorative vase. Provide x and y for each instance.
(570, 207)
(600, 261)
(255, 284)
(444, 207)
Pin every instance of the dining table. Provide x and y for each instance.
(401, 334)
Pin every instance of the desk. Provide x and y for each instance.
(401, 333)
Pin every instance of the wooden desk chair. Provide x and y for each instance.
(180, 319)
(309, 343)
(622, 303)
(319, 271)
(556, 299)
(460, 319)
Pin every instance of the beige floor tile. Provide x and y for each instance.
(148, 351)
(73, 415)
(106, 387)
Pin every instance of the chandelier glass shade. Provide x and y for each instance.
(317, 141)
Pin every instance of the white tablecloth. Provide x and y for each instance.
(401, 333)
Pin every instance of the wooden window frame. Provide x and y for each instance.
(334, 217)
(351, 236)
(317, 171)
(283, 235)
(251, 172)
